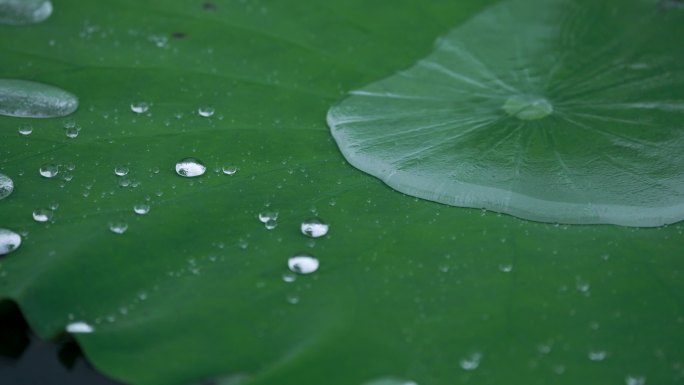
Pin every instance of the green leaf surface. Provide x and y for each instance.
(555, 111)
(193, 290)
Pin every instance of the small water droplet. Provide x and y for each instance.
(303, 264)
(190, 167)
(597, 355)
(71, 132)
(121, 171)
(292, 299)
(506, 267)
(314, 228)
(9, 241)
(118, 227)
(289, 277)
(79, 328)
(140, 107)
(42, 215)
(206, 111)
(25, 130)
(390, 381)
(471, 362)
(229, 170)
(582, 285)
(22, 12)
(271, 224)
(26, 99)
(6, 186)
(266, 216)
(635, 380)
(49, 170)
(141, 209)
(124, 182)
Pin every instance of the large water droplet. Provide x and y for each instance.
(190, 167)
(9, 241)
(6, 186)
(141, 209)
(118, 227)
(121, 171)
(49, 170)
(42, 215)
(26, 99)
(206, 111)
(79, 327)
(140, 107)
(527, 107)
(314, 228)
(471, 362)
(21, 12)
(303, 264)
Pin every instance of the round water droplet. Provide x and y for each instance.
(597, 355)
(26, 99)
(289, 277)
(140, 107)
(635, 380)
(266, 216)
(271, 224)
(471, 362)
(9, 241)
(22, 12)
(206, 111)
(121, 171)
(49, 170)
(42, 215)
(229, 170)
(527, 107)
(79, 327)
(118, 227)
(303, 264)
(506, 267)
(25, 130)
(6, 186)
(141, 209)
(190, 167)
(314, 228)
(71, 132)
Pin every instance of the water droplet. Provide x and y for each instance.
(271, 224)
(268, 216)
(635, 380)
(598, 355)
(9, 241)
(6, 186)
(140, 107)
(49, 170)
(26, 99)
(190, 167)
(471, 362)
(71, 132)
(506, 267)
(79, 327)
(314, 228)
(21, 12)
(303, 264)
(289, 277)
(141, 209)
(42, 215)
(229, 170)
(390, 381)
(582, 285)
(527, 107)
(121, 171)
(118, 227)
(206, 111)
(25, 130)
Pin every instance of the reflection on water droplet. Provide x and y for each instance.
(49, 170)
(140, 107)
(635, 380)
(42, 215)
(206, 111)
(6, 186)
(118, 227)
(597, 355)
(268, 216)
(303, 264)
(79, 328)
(314, 228)
(26, 99)
(121, 171)
(9, 241)
(21, 12)
(190, 167)
(390, 381)
(229, 170)
(141, 209)
(271, 224)
(471, 362)
(25, 130)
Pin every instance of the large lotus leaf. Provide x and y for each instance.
(557, 111)
(193, 290)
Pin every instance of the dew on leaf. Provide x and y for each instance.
(121, 171)
(27, 99)
(271, 224)
(22, 12)
(229, 170)
(266, 216)
(6, 186)
(49, 170)
(140, 107)
(141, 208)
(390, 381)
(206, 111)
(190, 167)
(25, 130)
(9, 241)
(303, 264)
(515, 112)
(71, 132)
(597, 355)
(42, 215)
(79, 328)
(314, 228)
(471, 362)
(118, 227)
(635, 380)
